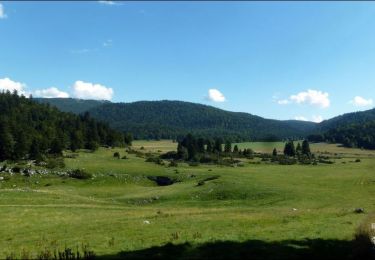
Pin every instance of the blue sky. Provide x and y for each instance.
(282, 60)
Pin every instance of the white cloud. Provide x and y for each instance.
(301, 118)
(107, 43)
(215, 95)
(283, 102)
(8, 84)
(317, 119)
(311, 97)
(106, 2)
(51, 93)
(361, 102)
(87, 90)
(2, 12)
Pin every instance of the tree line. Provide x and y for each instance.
(353, 135)
(29, 130)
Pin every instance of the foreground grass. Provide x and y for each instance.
(120, 209)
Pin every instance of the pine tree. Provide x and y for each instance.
(289, 149)
(209, 146)
(299, 148)
(306, 148)
(6, 142)
(228, 147)
(218, 147)
(235, 149)
(274, 152)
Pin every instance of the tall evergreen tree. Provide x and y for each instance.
(6, 142)
(289, 149)
(235, 149)
(228, 147)
(217, 147)
(306, 147)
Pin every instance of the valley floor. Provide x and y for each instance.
(255, 210)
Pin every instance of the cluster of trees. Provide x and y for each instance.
(191, 148)
(353, 135)
(32, 130)
(291, 150)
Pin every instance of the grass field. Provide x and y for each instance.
(267, 206)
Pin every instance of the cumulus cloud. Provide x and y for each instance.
(87, 90)
(301, 118)
(106, 2)
(361, 102)
(51, 93)
(317, 119)
(215, 95)
(283, 102)
(2, 12)
(8, 84)
(311, 97)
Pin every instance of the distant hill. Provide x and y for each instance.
(355, 129)
(169, 119)
(73, 105)
(347, 119)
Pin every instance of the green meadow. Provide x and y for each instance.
(122, 212)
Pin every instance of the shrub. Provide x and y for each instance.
(16, 169)
(358, 160)
(116, 155)
(80, 174)
(173, 164)
(55, 162)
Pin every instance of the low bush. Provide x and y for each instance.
(80, 174)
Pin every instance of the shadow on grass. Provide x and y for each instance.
(256, 249)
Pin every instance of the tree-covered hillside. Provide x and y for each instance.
(170, 119)
(73, 105)
(347, 119)
(31, 130)
(351, 135)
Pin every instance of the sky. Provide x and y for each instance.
(282, 60)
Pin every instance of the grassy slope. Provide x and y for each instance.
(251, 202)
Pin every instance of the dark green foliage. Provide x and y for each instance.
(354, 135)
(55, 162)
(306, 148)
(298, 149)
(235, 149)
(171, 119)
(6, 141)
(80, 174)
(289, 149)
(116, 155)
(228, 147)
(218, 145)
(73, 105)
(29, 130)
(274, 152)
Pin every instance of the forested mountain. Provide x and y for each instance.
(347, 119)
(170, 119)
(355, 129)
(353, 135)
(30, 130)
(73, 105)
